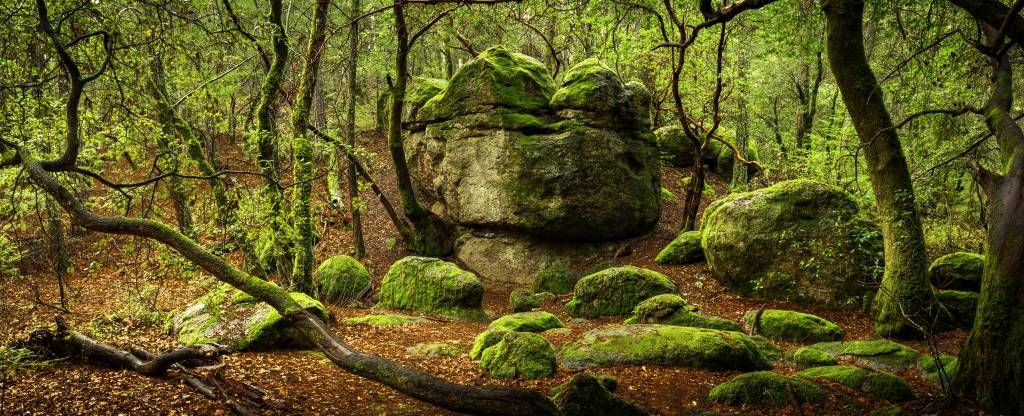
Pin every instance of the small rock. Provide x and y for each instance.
(523, 354)
(670, 309)
(538, 321)
(684, 249)
(434, 350)
(876, 383)
(383, 321)
(806, 357)
(616, 291)
(793, 326)
(766, 387)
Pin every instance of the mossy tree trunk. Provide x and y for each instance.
(807, 94)
(302, 149)
(992, 360)
(429, 235)
(739, 173)
(61, 261)
(903, 302)
(354, 204)
(267, 137)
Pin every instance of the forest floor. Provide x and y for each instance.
(304, 382)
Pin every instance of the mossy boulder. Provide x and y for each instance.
(423, 89)
(670, 309)
(876, 383)
(874, 354)
(674, 148)
(557, 280)
(432, 286)
(519, 354)
(586, 395)
(521, 300)
(797, 240)
(434, 350)
(616, 291)
(770, 351)
(960, 306)
(341, 278)
(806, 357)
(684, 249)
(958, 271)
(502, 148)
(228, 316)
(766, 387)
(485, 340)
(539, 321)
(383, 320)
(651, 344)
(794, 326)
(931, 365)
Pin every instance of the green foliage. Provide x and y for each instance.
(10, 257)
(14, 361)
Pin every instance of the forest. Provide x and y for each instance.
(511, 207)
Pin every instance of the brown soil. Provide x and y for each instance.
(304, 382)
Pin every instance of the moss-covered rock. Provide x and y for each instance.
(432, 286)
(670, 309)
(797, 240)
(592, 94)
(684, 249)
(485, 340)
(423, 89)
(664, 345)
(586, 395)
(434, 350)
(523, 354)
(521, 300)
(539, 321)
(616, 291)
(960, 305)
(341, 278)
(770, 351)
(766, 387)
(958, 271)
(228, 316)
(383, 321)
(930, 366)
(674, 148)
(874, 354)
(557, 280)
(793, 326)
(876, 383)
(806, 357)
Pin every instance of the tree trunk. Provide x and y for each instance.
(807, 94)
(992, 360)
(354, 204)
(58, 250)
(903, 302)
(302, 271)
(739, 171)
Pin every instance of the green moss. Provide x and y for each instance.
(806, 357)
(893, 410)
(684, 249)
(766, 387)
(341, 278)
(486, 340)
(875, 383)
(616, 291)
(957, 271)
(664, 345)
(433, 286)
(670, 309)
(794, 326)
(960, 305)
(497, 78)
(383, 321)
(539, 321)
(586, 86)
(875, 354)
(522, 354)
(423, 90)
(557, 280)
(434, 350)
(668, 196)
(930, 367)
(586, 394)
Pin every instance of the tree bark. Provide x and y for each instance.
(354, 204)
(739, 172)
(904, 300)
(992, 360)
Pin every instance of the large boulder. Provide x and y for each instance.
(341, 278)
(503, 147)
(958, 271)
(228, 316)
(670, 309)
(794, 326)
(432, 286)
(652, 344)
(523, 354)
(616, 291)
(876, 383)
(766, 387)
(797, 240)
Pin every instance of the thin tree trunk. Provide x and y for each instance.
(350, 133)
(58, 250)
(807, 94)
(992, 360)
(904, 300)
(739, 171)
(302, 272)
